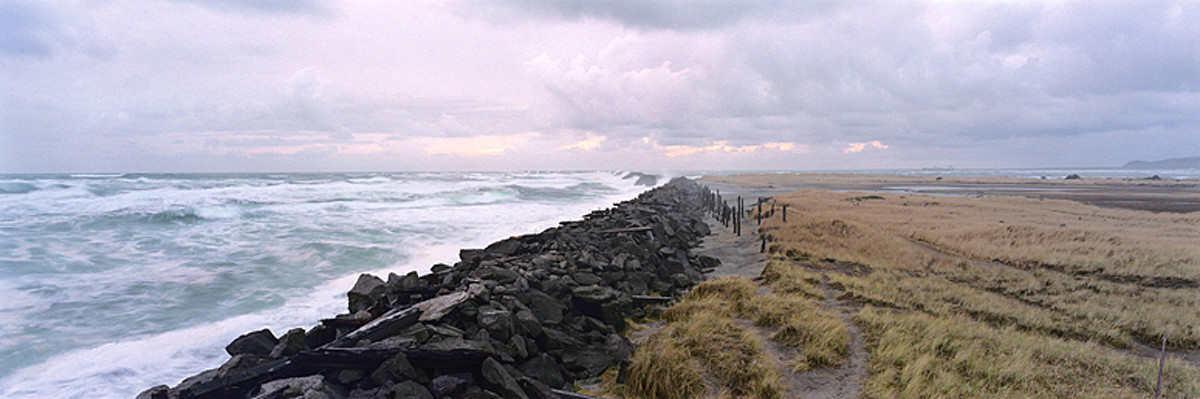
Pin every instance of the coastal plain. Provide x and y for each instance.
(884, 286)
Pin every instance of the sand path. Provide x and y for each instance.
(741, 257)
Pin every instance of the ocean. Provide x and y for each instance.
(111, 284)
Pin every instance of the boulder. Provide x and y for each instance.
(528, 323)
(410, 389)
(310, 387)
(586, 278)
(547, 309)
(587, 360)
(545, 369)
(497, 321)
(351, 376)
(497, 274)
(241, 362)
(292, 342)
(618, 346)
(604, 303)
(360, 296)
(156, 392)
(555, 339)
(259, 342)
(450, 384)
(497, 379)
(394, 370)
(436, 308)
(503, 248)
(319, 335)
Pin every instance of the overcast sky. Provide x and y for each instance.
(309, 85)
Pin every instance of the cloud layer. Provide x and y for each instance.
(197, 85)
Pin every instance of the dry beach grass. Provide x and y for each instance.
(1000, 296)
(1026, 289)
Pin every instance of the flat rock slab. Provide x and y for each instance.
(437, 308)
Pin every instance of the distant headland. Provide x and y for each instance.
(1172, 163)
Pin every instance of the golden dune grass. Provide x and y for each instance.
(998, 297)
(915, 355)
(1108, 274)
(706, 352)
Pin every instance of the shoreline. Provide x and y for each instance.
(541, 310)
(1145, 194)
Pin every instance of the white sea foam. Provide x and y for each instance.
(247, 221)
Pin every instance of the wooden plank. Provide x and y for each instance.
(570, 395)
(391, 322)
(648, 299)
(629, 230)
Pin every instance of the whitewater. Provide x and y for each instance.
(110, 284)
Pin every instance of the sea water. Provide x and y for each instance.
(110, 284)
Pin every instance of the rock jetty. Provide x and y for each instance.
(524, 317)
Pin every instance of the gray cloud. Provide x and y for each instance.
(656, 14)
(939, 83)
(25, 28)
(41, 30)
(278, 7)
(909, 73)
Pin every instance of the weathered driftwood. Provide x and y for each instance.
(627, 230)
(649, 300)
(383, 326)
(343, 322)
(571, 395)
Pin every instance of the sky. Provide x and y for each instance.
(309, 85)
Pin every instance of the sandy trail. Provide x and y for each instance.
(741, 257)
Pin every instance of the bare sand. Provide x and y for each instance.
(1161, 195)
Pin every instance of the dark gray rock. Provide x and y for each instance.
(417, 332)
(392, 342)
(478, 393)
(545, 369)
(555, 339)
(497, 274)
(528, 323)
(410, 389)
(350, 376)
(536, 389)
(604, 303)
(450, 384)
(157, 392)
(442, 268)
(471, 256)
(241, 362)
(259, 342)
(497, 321)
(618, 346)
(458, 343)
(587, 360)
(310, 387)
(360, 297)
(394, 370)
(188, 383)
(586, 278)
(319, 335)
(498, 379)
(292, 342)
(503, 248)
(547, 309)
(437, 308)
(517, 343)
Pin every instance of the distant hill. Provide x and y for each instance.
(1173, 163)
